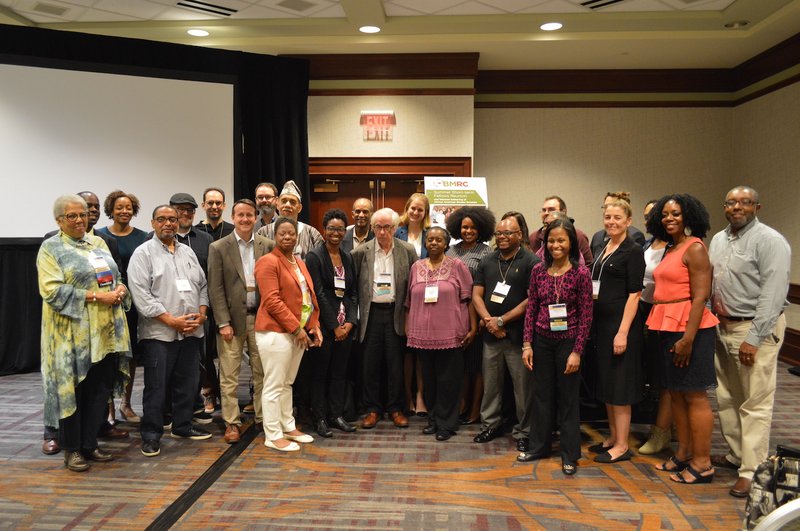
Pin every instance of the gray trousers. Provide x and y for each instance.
(498, 355)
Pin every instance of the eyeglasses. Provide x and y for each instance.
(505, 233)
(379, 228)
(730, 203)
(214, 203)
(340, 230)
(187, 210)
(265, 197)
(162, 219)
(73, 217)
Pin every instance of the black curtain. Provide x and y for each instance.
(269, 138)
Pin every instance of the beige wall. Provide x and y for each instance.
(580, 154)
(427, 126)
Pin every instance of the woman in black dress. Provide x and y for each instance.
(617, 274)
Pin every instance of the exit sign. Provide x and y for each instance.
(377, 125)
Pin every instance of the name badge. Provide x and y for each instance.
(183, 285)
(431, 293)
(500, 292)
(101, 269)
(383, 285)
(339, 286)
(251, 283)
(558, 317)
(595, 289)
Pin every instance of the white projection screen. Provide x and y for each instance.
(64, 131)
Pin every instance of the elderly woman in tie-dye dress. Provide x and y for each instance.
(85, 343)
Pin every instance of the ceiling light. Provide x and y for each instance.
(369, 29)
(736, 24)
(197, 33)
(551, 26)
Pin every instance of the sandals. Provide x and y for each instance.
(698, 476)
(679, 465)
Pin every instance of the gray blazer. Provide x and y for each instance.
(227, 287)
(364, 263)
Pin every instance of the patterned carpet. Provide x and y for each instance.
(385, 478)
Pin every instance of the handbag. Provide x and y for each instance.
(776, 482)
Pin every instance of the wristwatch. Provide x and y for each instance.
(500, 322)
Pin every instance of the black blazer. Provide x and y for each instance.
(320, 266)
(347, 242)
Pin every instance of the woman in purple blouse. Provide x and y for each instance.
(557, 324)
(439, 325)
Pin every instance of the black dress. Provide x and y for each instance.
(618, 379)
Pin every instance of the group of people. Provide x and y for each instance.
(433, 326)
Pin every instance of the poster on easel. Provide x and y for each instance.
(448, 194)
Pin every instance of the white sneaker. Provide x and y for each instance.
(291, 447)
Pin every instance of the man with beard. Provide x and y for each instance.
(214, 205)
(751, 264)
(553, 204)
(169, 290)
(360, 232)
(266, 202)
(107, 430)
(290, 205)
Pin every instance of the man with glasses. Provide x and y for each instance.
(197, 240)
(289, 205)
(551, 206)
(360, 232)
(382, 266)
(500, 295)
(751, 279)
(214, 205)
(267, 204)
(169, 290)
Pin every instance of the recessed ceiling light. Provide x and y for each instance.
(551, 26)
(736, 24)
(197, 33)
(369, 29)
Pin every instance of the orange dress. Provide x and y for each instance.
(672, 297)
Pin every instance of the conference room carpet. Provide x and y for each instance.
(384, 478)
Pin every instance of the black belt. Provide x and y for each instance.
(252, 312)
(383, 305)
(735, 319)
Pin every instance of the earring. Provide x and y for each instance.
(687, 231)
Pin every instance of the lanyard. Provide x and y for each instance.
(603, 261)
(500, 266)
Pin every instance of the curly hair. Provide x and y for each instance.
(108, 204)
(695, 216)
(574, 246)
(333, 213)
(426, 221)
(481, 217)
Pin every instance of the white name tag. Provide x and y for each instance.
(431, 293)
(183, 284)
(338, 282)
(500, 292)
(595, 289)
(383, 285)
(558, 317)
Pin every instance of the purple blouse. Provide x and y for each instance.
(444, 323)
(575, 289)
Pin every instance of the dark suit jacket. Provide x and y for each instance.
(320, 266)
(347, 242)
(281, 296)
(402, 234)
(113, 248)
(600, 239)
(364, 263)
(227, 287)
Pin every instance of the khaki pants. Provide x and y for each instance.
(230, 363)
(746, 394)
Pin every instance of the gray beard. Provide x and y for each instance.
(267, 212)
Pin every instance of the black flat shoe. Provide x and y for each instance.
(599, 448)
(523, 444)
(430, 429)
(526, 457)
(569, 469)
(487, 435)
(606, 458)
(322, 429)
(444, 435)
(464, 420)
(341, 424)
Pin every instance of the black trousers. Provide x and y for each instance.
(328, 376)
(173, 365)
(443, 376)
(550, 385)
(382, 344)
(79, 431)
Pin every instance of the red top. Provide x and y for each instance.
(672, 284)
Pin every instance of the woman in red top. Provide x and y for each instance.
(686, 330)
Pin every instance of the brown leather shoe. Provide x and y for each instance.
(370, 420)
(115, 433)
(740, 489)
(399, 419)
(50, 447)
(74, 461)
(232, 434)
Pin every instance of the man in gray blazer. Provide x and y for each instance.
(382, 266)
(234, 298)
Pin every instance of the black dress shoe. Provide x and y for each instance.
(568, 468)
(97, 455)
(341, 424)
(526, 457)
(430, 429)
(322, 429)
(487, 435)
(444, 435)
(523, 444)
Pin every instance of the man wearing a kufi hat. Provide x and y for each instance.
(290, 205)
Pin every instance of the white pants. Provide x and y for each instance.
(230, 362)
(280, 358)
(745, 394)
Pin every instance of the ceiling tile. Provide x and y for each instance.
(471, 8)
(141, 9)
